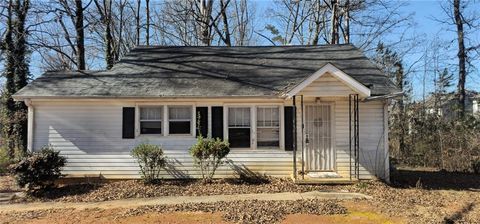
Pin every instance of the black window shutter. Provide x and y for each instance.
(202, 121)
(128, 122)
(288, 128)
(217, 122)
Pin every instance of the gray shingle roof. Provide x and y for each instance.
(158, 71)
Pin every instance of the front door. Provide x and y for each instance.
(320, 154)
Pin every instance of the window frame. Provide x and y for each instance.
(191, 120)
(250, 124)
(161, 120)
(253, 124)
(277, 127)
(165, 121)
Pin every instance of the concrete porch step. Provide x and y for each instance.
(321, 180)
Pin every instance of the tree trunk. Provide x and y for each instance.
(8, 103)
(137, 20)
(346, 23)
(80, 35)
(21, 74)
(399, 79)
(147, 2)
(226, 29)
(462, 73)
(108, 35)
(205, 14)
(334, 25)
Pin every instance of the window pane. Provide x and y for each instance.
(268, 117)
(150, 127)
(239, 137)
(179, 127)
(151, 113)
(180, 113)
(268, 131)
(268, 137)
(239, 117)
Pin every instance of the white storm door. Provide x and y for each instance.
(320, 154)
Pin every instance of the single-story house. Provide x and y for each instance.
(291, 111)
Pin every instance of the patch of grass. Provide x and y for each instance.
(362, 185)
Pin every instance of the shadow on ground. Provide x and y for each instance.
(65, 190)
(435, 180)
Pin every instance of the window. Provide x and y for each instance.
(151, 120)
(239, 127)
(268, 127)
(179, 119)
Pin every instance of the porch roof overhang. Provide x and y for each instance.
(356, 86)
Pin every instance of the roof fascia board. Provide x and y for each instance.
(148, 98)
(356, 86)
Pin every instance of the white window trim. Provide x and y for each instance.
(280, 133)
(192, 120)
(253, 124)
(165, 123)
(162, 120)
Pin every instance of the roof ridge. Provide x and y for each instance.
(250, 46)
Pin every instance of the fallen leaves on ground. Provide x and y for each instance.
(137, 189)
(251, 211)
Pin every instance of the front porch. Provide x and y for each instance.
(327, 120)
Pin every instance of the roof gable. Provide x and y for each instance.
(353, 84)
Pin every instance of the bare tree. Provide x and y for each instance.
(362, 22)
(60, 39)
(137, 19)
(105, 10)
(334, 37)
(147, 10)
(466, 21)
(80, 35)
(462, 56)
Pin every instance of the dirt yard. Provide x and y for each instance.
(414, 196)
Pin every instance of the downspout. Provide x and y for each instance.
(294, 139)
(385, 138)
(30, 124)
(303, 141)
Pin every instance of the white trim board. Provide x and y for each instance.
(356, 86)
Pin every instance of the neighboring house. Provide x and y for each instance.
(252, 96)
(446, 104)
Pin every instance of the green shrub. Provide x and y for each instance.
(208, 155)
(4, 161)
(38, 169)
(151, 161)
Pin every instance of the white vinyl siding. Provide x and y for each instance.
(327, 86)
(372, 150)
(90, 136)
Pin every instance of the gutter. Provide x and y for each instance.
(382, 97)
(24, 98)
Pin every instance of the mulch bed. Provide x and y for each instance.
(137, 189)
